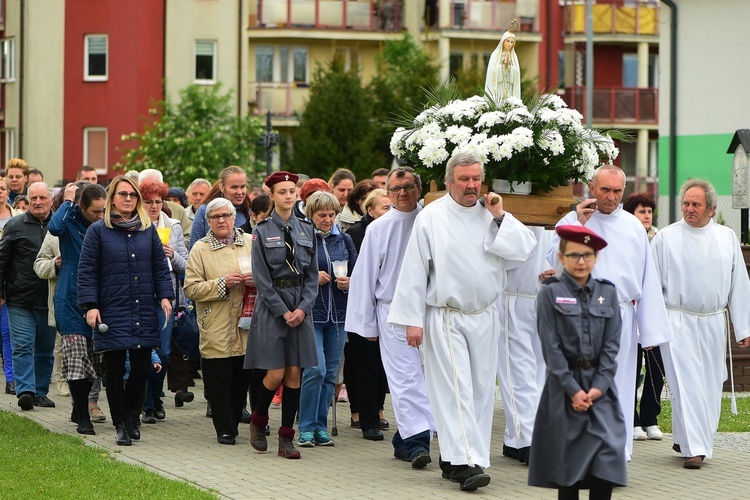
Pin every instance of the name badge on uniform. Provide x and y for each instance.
(566, 300)
(273, 238)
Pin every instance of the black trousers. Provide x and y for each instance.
(226, 382)
(369, 377)
(125, 397)
(653, 383)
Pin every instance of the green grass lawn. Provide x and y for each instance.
(36, 462)
(727, 422)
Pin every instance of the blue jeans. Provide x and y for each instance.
(33, 342)
(410, 446)
(7, 349)
(155, 384)
(318, 383)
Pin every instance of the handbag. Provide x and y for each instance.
(186, 333)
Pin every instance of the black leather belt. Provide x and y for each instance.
(288, 283)
(583, 364)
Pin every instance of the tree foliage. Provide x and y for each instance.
(335, 129)
(404, 71)
(196, 137)
(346, 124)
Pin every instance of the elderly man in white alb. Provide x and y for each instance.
(702, 271)
(446, 296)
(370, 295)
(626, 262)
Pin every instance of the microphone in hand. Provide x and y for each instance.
(102, 327)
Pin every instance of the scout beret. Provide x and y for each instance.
(281, 176)
(581, 234)
(311, 186)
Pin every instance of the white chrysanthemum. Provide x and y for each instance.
(519, 115)
(477, 149)
(554, 101)
(490, 119)
(552, 141)
(458, 134)
(522, 138)
(547, 115)
(433, 152)
(396, 141)
(431, 130)
(515, 102)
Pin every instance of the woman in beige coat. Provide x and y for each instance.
(214, 282)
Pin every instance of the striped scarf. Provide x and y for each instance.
(130, 225)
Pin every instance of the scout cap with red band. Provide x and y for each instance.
(281, 176)
(312, 186)
(581, 234)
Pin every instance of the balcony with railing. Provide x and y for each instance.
(614, 18)
(616, 105)
(362, 15)
(492, 15)
(284, 99)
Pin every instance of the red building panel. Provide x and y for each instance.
(135, 60)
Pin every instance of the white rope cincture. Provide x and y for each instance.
(448, 310)
(513, 410)
(725, 312)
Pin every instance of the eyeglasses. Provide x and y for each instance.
(152, 202)
(575, 257)
(405, 187)
(218, 217)
(125, 194)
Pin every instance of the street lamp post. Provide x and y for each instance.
(268, 140)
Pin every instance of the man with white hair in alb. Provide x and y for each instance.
(446, 296)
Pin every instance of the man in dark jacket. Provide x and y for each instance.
(32, 339)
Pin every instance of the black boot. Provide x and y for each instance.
(79, 394)
(133, 431)
(122, 437)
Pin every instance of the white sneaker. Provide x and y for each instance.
(638, 434)
(653, 432)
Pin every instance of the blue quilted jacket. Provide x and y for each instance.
(124, 275)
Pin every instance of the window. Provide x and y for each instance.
(205, 61)
(264, 64)
(561, 68)
(95, 58)
(348, 56)
(281, 64)
(456, 64)
(95, 148)
(7, 144)
(8, 63)
(629, 70)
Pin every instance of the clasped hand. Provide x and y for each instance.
(583, 400)
(233, 280)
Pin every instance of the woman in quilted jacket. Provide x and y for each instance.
(122, 278)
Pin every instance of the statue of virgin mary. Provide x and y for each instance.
(503, 72)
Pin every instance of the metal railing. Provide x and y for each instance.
(614, 18)
(280, 98)
(616, 104)
(489, 15)
(364, 15)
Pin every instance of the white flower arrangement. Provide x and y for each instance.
(544, 142)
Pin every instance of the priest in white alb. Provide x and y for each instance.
(373, 284)
(446, 296)
(521, 369)
(702, 272)
(627, 262)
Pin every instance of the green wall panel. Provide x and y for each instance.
(701, 156)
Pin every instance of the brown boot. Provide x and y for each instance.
(286, 443)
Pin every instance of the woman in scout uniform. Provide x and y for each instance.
(578, 440)
(282, 338)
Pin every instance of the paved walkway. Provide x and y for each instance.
(184, 447)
